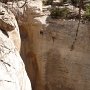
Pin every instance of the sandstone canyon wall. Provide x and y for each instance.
(12, 70)
(59, 67)
(46, 49)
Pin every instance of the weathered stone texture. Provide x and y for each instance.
(59, 67)
(12, 70)
(46, 51)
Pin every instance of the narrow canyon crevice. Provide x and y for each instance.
(30, 58)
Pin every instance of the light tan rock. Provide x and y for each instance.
(12, 70)
(26, 21)
(9, 24)
(46, 50)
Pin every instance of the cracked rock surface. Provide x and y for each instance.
(9, 25)
(12, 70)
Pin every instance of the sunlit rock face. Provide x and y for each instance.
(12, 70)
(27, 24)
(9, 24)
(46, 51)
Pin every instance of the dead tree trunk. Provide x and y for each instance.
(77, 30)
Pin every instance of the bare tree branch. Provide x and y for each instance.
(22, 5)
(77, 30)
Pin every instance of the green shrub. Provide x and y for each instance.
(87, 13)
(65, 1)
(59, 13)
(75, 2)
(48, 2)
